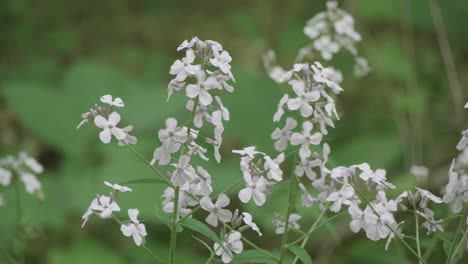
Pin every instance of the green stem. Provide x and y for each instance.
(174, 227)
(165, 179)
(308, 234)
(460, 224)
(416, 220)
(317, 221)
(290, 209)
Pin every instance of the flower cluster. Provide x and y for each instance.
(104, 206)
(107, 119)
(260, 175)
(22, 169)
(331, 31)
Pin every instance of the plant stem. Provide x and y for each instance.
(149, 165)
(460, 224)
(290, 208)
(314, 225)
(174, 226)
(416, 220)
(308, 234)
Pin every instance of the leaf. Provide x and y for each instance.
(201, 228)
(143, 181)
(301, 254)
(254, 256)
(204, 244)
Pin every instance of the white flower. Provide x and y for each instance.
(305, 167)
(431, 224)
(328, 76)
(305, 139)
(292, 222)
(272, 167)
(31, 163)
(283, 135)
(184, 68)
(102, 206)
(232, 244)
(376, 226)
(345, 26)
(306, 199)
(109, 127)
(427, 195)
(463, 141)
(31, 183)
(256, 188)
(341, 197)
(5, 177)
(129, 139)
(248, 151)
(248, 220)
(419, 171)
(134, 229)
(222, 62)
(377, 178)
(172, 134)
(200, 113)
(279, 113)
(117, 102)
(184, 172)
(456, 190)
(304, 98)
(216, 210)
(118, 187)
(357, 215)
(326, 46)
(202, 87)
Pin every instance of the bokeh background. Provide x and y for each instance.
(58, 57)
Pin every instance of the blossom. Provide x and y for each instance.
(340, 197)
(102, 206)
(302, 102)
(248, 220)
(231, 244)
(222, 62)
(129, 139)
(256, 188)
(5, 177)
(117, 102)
(109, 127)
(283, 135)
(216, 210)
(427, 195)
(430, 223)
(200, 113)
(272, 167)
(184, 68)
(279, 113)
(31, 183)
(357, 215)
(292, 222)
(326, 46)
(118, 187)
(305, 139)
(134, 229)
(202, 87)
(377, 178)
(463, 141)
(377, 223)
(456, 189)
(184, 172)
(248, 151)
(306, 199)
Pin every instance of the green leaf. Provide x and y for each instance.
(301, 254)
(201, 228)
(254, 256)
(143, 181)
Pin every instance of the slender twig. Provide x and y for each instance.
(313, 227)
(290, 209)
(308, 234)
(416, 220)
(460, 225)
(175, 217)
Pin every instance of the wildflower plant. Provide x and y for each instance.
(305, 114)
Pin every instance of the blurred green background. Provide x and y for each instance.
(58, 57)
